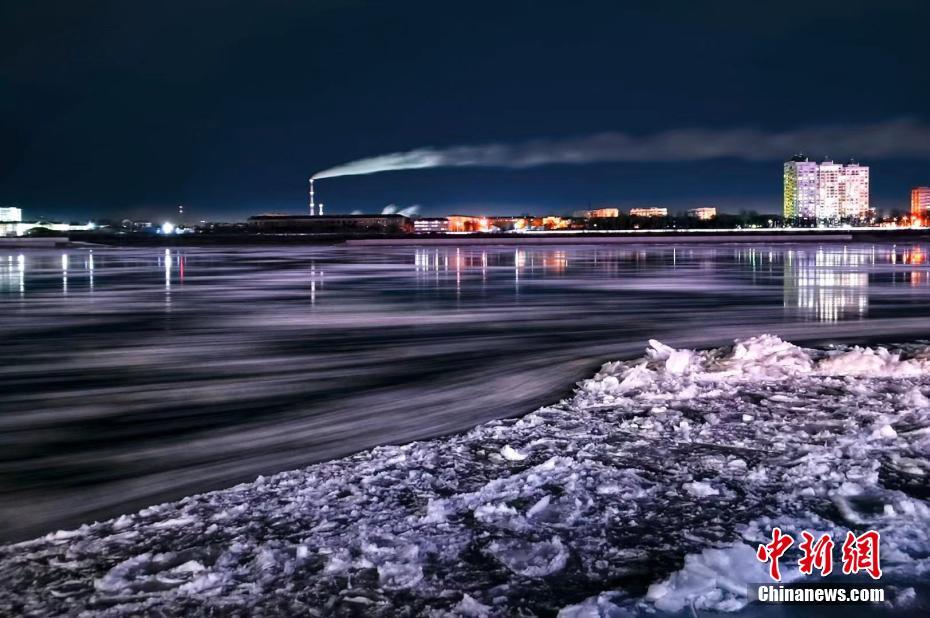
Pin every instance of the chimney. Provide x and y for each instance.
(312, 204)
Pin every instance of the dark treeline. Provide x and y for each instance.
(747, 218)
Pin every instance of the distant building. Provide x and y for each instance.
(649, 212)
(598, 213)
(920, 203)
(829, 183)
(508, 224)
(854, 192)
(556, 223)
(428, 225)
(331, 224)
(801, 188)
(12, 224)
(11, 214)
(22, 228)
(827, 192)
(136, 226)
(467, 223)
(704, 213)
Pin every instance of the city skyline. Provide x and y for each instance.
(808, 200)
(119, 110)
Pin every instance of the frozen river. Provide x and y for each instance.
(131, 377)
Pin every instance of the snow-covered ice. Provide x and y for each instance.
(646, 491)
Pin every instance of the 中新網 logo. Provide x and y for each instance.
(859, 553)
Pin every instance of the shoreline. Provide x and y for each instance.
(601, 239)
(804, 235)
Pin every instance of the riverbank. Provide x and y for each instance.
(600, 239)
(19, 242)
(563, 237)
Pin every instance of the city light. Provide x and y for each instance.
(167, 227)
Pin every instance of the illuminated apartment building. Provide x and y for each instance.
(827, 192)
(920, 203)
(801, 188)
(854, 192)
(830, 182)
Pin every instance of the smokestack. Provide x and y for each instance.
(312, 204)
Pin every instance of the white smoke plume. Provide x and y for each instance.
(392, 209)
(905, 138)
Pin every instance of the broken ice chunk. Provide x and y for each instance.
(699, 489)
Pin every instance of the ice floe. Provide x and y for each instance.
(646, 491)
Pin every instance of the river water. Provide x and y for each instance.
(131, 377)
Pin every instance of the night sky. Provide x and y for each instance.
(125, 109)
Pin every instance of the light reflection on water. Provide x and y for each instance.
(827, 286)
(135, 376)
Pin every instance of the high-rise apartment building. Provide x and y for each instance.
(920, 203)
(854, 192)
(827, 192)
(801, 188)
(829, 185)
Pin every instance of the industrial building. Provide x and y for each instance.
(330, 224)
